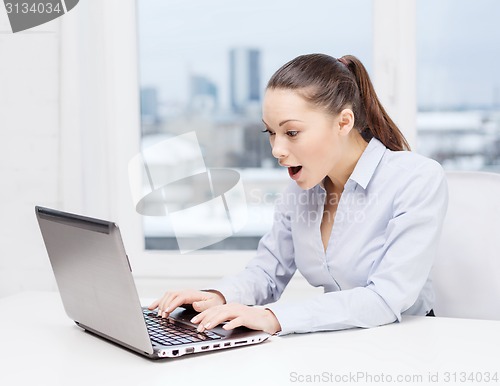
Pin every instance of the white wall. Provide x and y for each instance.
(69, 120)
(29, 156)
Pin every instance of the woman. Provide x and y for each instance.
(362, 218)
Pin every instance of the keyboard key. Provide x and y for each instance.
(168, 332)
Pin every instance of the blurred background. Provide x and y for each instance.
(82, 95)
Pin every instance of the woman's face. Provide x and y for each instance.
(303, 138)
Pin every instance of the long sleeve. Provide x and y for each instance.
(268, 273)
(396, 279)
(377, 264)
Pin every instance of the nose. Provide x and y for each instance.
(279, 149)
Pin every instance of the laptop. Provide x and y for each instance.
(98, 292)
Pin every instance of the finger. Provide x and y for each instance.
(175, 299)
(209, 299)
(163, 307)
(181, 299)
(154, 305)
(203, 320)
(236, 322)
(197, 319)
(200, 306)
(203, 305)
(172, 304)
(214, 316)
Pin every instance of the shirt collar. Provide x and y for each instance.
(368, 162)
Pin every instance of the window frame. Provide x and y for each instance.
(110, 94)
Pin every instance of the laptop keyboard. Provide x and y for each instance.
(167, 332)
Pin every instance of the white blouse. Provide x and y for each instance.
(378, 260)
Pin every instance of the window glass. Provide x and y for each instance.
(458, 83)
(203, 69)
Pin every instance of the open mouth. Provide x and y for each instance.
(294, 170)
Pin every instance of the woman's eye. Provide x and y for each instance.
(268, 131)
(292, 133)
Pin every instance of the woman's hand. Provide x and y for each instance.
(200, 300)
(256, 318)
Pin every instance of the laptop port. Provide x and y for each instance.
(189, 350)
(204, 347)
(216, 345)
(175, 352)
(240, 342)
(227, 344)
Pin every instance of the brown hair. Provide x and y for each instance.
(336, 84)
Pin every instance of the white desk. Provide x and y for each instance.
(40, 345)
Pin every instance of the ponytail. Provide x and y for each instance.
(336, 84)
(378, 124)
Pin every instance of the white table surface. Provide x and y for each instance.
(40, 345)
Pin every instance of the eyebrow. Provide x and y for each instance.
(283, 122)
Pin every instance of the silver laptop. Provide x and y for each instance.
(98, 292)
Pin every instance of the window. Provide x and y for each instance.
(203, 69)
(459, 83)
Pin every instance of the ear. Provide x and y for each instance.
(346, 121)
